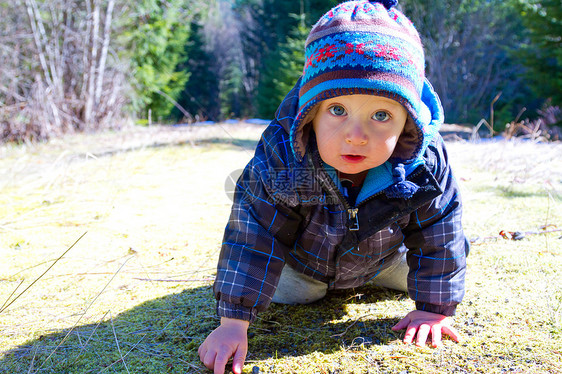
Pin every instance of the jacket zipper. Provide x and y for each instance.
(353, 219)
(352, 212)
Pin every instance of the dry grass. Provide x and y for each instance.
(134, 294)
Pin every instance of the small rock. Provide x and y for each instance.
(518, 236)
(256, 370)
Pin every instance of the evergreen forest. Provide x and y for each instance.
(73, 65)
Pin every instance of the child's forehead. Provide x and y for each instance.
(362, 99)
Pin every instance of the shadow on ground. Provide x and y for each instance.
(163, 335)
(286, 330)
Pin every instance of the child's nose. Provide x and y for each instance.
(355, 134)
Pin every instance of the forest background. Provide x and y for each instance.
(73, 65)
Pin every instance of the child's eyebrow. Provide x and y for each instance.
(385, 103)
(391, 102)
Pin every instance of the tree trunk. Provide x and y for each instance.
(105, 48)
(89, 105)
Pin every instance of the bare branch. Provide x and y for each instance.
(105, 48)
(92, 65)
(37, 38)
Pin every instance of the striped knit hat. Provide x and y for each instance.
(364, 47)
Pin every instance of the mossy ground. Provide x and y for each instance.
(134, 294)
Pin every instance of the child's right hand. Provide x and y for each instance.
(228, 340)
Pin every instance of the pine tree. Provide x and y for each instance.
(284, 55)
(222, 30)
(543, 54)
(266, 26)
(285, 66)
(199, 96)
(155, 38)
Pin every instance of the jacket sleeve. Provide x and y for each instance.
(259, 232)
(436, 242)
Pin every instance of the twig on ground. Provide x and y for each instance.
(96, 273)
(350, 326)
(126, 354)
(122, 359)
(514, 235)
(12, 294)
(6, 228)
(34, 266)
(175, 280)
(35, 281)
(83, 314)
(194, 367)
(32, 361)
(90, 337)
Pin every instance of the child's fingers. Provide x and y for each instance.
(452, 332)
(202, 351)
(404, 322)
(209, 359)
(436, 336)
(410, 333)
(423, 333)
(239, 358)
(223, 355)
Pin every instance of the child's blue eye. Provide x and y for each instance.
(337, 110)
(381, 116)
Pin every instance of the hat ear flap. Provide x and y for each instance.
(301, 134)
(408, 141)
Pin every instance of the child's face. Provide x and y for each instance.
(358, 132)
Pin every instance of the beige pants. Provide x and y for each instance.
(297, 288)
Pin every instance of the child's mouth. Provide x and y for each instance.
(353, 158)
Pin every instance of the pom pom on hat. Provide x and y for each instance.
(387, 3)
(402, 188)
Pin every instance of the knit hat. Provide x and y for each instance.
(370, 48)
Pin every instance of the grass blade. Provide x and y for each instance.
(5, 306)
(83, 314)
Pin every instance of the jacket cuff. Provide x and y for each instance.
(236, 311)
(446, 310)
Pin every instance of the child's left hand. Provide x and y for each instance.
(422, 324)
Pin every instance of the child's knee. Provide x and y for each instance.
(297, 288)
(394, 277)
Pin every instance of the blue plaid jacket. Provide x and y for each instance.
(286, 211)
